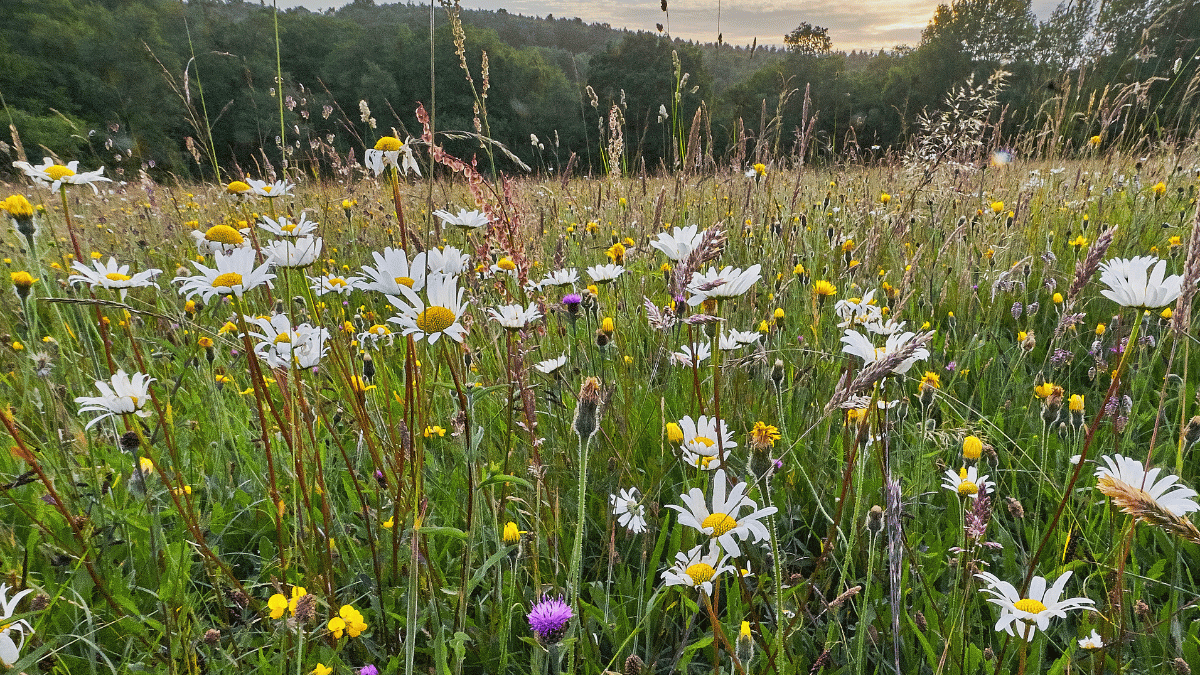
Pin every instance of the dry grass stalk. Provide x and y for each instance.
(877, 371)
(1084, 269)
(1191, 276)
(1144, 508)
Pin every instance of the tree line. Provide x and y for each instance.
(171, 87)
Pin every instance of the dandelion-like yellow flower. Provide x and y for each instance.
(1159, 189)
(1046, 389)
(1075, 403)
(763, 436)
(674, 433)
(885, 198)
(512, 534)
(824, 289)
(997, 207)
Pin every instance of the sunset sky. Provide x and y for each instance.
(862, 24)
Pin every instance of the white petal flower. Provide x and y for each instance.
(111, 276)
(630, 514)
(563, 277)
(1129, 285)
(332, 283)
(59, 174)
(698, 570)
(861, 346)
(287, 228)
(392, 270)
(466, 220)
(728, 282)
(679, 243)
(221, 238)
(699, 445)
(723, 523)
(299, 252)
(447, 260)
(280, 345)
(603, 274)
(234, 274)
(858, 312)
(1167, 493)
(1023, 617)
(689, 355)
(514, 317)
(279, 188)
(10, 651)
(442, 314)
(1092, 642)
(122, 394)
(549, 366)
(966, 482)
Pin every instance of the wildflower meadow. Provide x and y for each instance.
(929, 413)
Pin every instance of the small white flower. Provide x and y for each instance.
(1168, 493)
(689, 355)
(699, 445)
(466, 220)
(332, 283)
(679, 243)
(549, 366)
(859, 345)
(58, 174)
(630, 514)
(111, 276)
(10, 651)
(603, 274)
(1092, 642)
(1033, 612)
(514, 317)
(723, 523)
(120, 395)
(280, 345)
(728, 282)
(746, 337)
(563, 277)
(234, 274)
(1129, 285)
(447, 260)
(393, 270)
(279, 188)
(300, 252)
(287, 228)
(858, 313)
(442, 314)
(697, 570)
(966, 482)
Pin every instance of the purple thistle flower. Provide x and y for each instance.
(571, 299)
(368, 669)
(549, 618)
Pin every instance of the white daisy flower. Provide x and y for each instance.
(279, 188)
(966, 482)
(111, 276)
(10, 651)
(728, 342)
(723, 523)
(372, 336)
(746, 337)
(1168, 493)
(332, 283)
(234, 274)
(549, 366)
(630, 514)
(299, 252)
(1092, 642)
(604, 274)
(58, 174)
(466, 220)
(563, 277)
(1129, 285)
(120, 395)
(389, 152)
(287, 228)
(861, 346)
(514, 317)
(440, 316)
(727, 282)
(447, 260)
(679, 243)
(280, 344)
(392, 270)
(692, 354)
(858, 312)
(1034, 612)
(221, 238)
(699, 444)
(696, 570)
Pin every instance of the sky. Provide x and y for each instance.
(853, 24)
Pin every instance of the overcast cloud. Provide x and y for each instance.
(861, 24)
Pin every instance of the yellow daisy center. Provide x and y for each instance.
(229, 279)
(225, 235)
(267, 188)
(388, 144)
(435, 319)
(405, 281)
(700, 573)
(288, 227)
(720, 523)
(59, 172)
(1029, 605)
(705, 460)
(336, 281)
(966, 487)
(117, 276)
(283, 337)
(708, 442)
(237, 187)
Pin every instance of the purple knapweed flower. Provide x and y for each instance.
(549, 618)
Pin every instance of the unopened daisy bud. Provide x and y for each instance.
(368, 368)
(875, 520)
(972, 448)
(587, 412)
(745, 644)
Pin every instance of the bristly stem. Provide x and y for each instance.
(577, 547)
